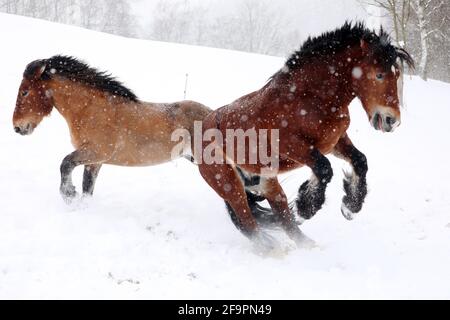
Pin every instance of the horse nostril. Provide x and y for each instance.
(390, 121)
(17, 129)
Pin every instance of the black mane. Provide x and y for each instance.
(346, 36)
(76, 70)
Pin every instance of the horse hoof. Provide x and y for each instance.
(265, 243)
(69, 199)
(87, 195)
(68, 194)
(347, 213)
(305, 214)
(299, 220)
(304, 242)
(307, 209)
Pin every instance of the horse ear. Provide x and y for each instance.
(364, 45)
(40, 71)
(35, 70)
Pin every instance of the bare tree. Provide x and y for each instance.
(9, 6)
(180, 21)
(200, 25)
(113, 16)
(399, 14)
(253, 27)
(425, 11)
(416, 24)
(117, 18)
(171, 21)
(90, 12)
(258, 27)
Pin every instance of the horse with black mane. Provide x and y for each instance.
(108, 123)
(307, 102)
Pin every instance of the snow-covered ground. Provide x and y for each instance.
(161, 232)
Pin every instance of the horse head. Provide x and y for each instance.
(34, 100)
(377, 79)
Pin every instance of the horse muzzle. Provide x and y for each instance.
(24, 130)
(384, 122)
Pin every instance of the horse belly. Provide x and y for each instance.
(143, 151)
(283, 166)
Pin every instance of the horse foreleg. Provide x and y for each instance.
(89, 177)
(355, 184)
(311, 195)
(70, 162)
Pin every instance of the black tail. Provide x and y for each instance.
(264, 216)
(189, 158)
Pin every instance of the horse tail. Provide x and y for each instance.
(192, 112)
(189, 158)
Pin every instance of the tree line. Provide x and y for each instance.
(111, 16)
(420, 26)
(253, 26)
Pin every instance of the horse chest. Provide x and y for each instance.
(330, 133)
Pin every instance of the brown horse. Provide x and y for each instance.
(307, 103)
(107, 122)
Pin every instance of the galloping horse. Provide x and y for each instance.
(307, 102)
(107, 122)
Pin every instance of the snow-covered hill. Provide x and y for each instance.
(161, 232)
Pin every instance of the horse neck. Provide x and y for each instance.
(329, 78)
(71, 98)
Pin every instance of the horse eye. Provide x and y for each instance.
(379, 76)
(24, 93)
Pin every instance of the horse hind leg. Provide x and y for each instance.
(263, 216)
(278, 202)
(253, 187)
(226, 182)
(89, 178)
(279, 215)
